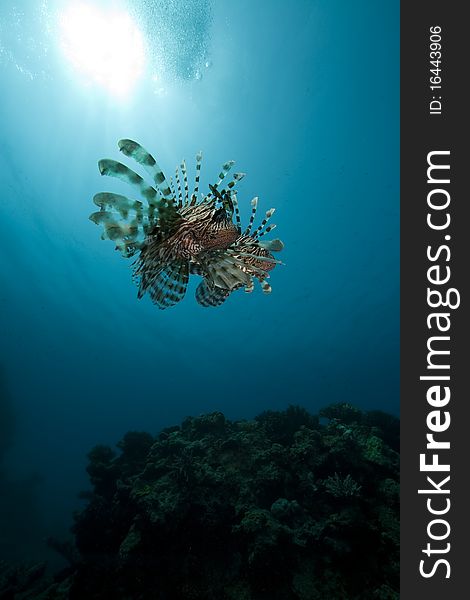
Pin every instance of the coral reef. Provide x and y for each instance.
(288, 506)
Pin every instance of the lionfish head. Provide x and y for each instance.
(221, 217)
(221, 232)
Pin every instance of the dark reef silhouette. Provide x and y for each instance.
(286, 506)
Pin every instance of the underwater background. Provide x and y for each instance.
(303, 95)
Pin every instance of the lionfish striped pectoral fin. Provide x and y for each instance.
(124, 221)
(197, 178)
(144, 158)
(124, 235)
(210, 295)
(225, 271)
(167, 212)
(128, 233)
(113, 168)
(168, 285)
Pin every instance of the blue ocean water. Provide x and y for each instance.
(303, 95)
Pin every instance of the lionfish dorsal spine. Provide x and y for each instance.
(178, 185)
(198, 173)
(172, 187)
(225, 169)
(269, 214)
(236, 211)
(267, 230)
(185, 181)
(228, 204)
(254, 206)
(236, 178)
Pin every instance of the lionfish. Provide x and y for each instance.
(175, 234)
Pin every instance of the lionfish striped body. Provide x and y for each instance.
(175, 235)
